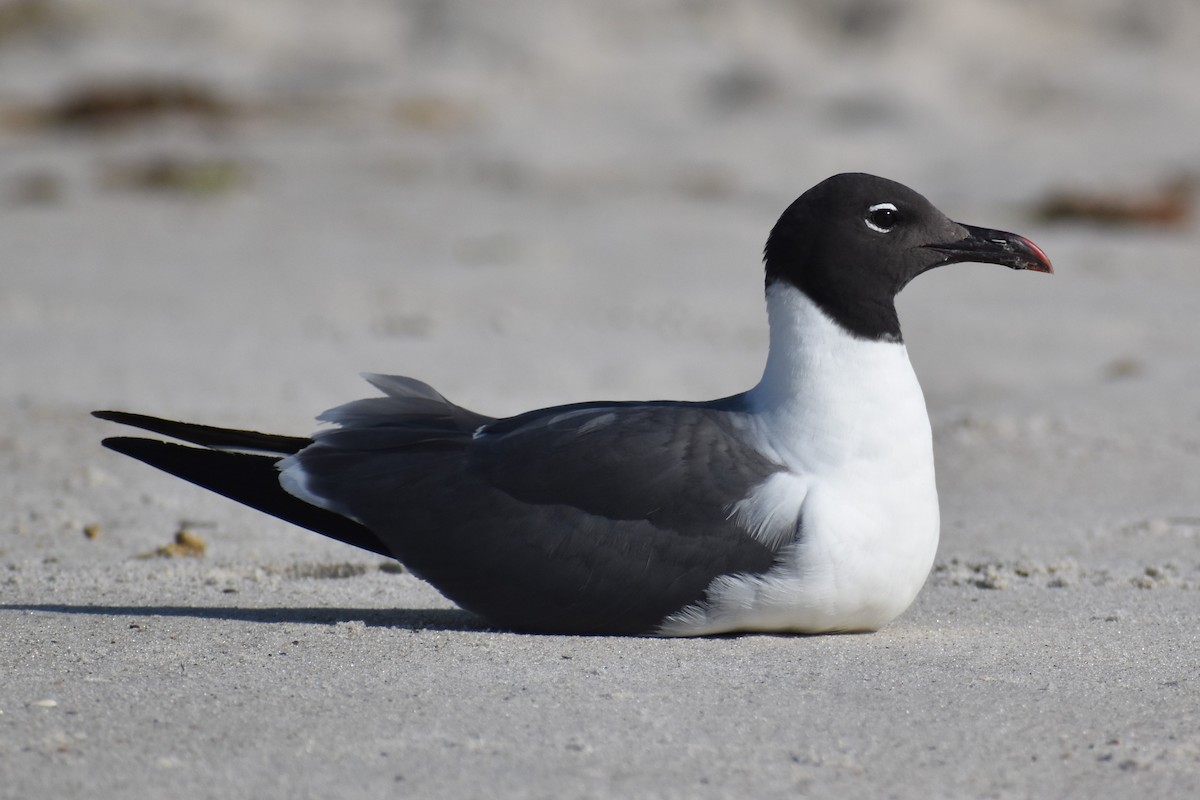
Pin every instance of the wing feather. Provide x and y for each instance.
(600, 517)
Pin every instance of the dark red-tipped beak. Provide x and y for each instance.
(987, 246)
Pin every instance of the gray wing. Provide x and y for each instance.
(601, 517)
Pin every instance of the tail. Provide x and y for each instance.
(248, 478)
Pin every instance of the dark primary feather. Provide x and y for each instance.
(249, 479)
(208, 436)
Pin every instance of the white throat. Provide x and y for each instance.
(824, 392)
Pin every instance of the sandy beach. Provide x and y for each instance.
(225, 212)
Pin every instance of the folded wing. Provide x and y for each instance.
(594, 517)
(599, 517)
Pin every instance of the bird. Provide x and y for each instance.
(806, 504)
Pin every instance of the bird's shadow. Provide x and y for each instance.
(413, 619)
(416, 619)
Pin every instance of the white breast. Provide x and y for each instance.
(857, 504)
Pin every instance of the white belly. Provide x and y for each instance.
(857, 564)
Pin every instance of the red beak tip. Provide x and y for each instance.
(1041, 260)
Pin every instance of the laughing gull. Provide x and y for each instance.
(806, 504)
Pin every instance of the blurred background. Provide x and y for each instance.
(225, 210)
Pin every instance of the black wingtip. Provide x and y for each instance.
(252, 480)
(117, 443)
(134, 447)
(207, 435)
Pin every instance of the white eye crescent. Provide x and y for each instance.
(882, 217)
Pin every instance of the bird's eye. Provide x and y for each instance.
(882, 217)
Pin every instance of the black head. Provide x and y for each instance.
(853, 241)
